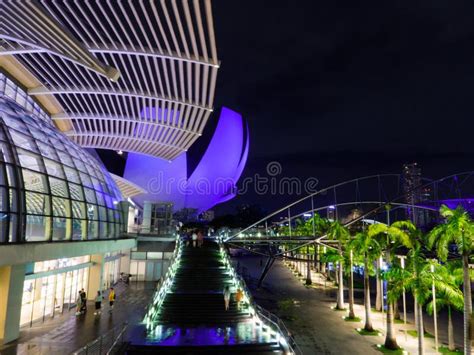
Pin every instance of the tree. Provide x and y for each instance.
(350, 260)
(417, 282)
(338, 232)
(452, 274)
(367, 247)
(397, 278)
(418, 278)
(331, 256)
(458, 229)
(390, 237)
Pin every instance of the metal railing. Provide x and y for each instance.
(164, 284)
(280, 325)
(272, 320)
(106, 344)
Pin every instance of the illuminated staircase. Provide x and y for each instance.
(187, 316)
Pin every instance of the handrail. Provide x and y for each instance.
(116, 340)
(106, 343)
(260, 312)
(312, 195)
(165, 283)
(274, 319)
(465, 174)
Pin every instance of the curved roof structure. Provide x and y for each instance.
(127, 188)
(137, 76)
(214, 179)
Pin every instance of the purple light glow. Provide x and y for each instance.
(466, 203)
(212, 182)
(218, 171)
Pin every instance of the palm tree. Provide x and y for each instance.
(318, 227)
(340, 233)
(397, 278)
(390, 237)
(416, 279)
(458, 229)
(331, 256)
(452, 274)
(419, 285)
(350, 259)
(368, 248)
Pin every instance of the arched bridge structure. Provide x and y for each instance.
(370, 199)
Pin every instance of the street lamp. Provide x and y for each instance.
(381, 285)
(402, 263)
(435, 320)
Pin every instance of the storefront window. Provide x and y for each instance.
(111, 272)
(44, 297)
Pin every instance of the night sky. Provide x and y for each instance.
(340, 89)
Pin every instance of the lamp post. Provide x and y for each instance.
(435, 320)
(308, 267)
(381, 286)
(289, 222)
(351, 281)
(402, 263)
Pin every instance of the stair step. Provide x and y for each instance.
(195, 300)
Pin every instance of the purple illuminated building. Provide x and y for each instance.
(214, 179)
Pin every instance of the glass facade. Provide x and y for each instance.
(149, 266)
(9, 89)
(43, 297)
(111, 273)
(50, 188)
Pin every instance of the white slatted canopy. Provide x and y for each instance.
(127, 188)
(132, 75)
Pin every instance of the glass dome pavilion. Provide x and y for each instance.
(50, 188)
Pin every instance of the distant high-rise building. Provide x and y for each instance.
(415, 194)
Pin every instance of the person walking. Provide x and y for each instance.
(79, 303)
(194, 238)
(83, 301)
(111, 299)
(239, 297)
(98, 303)
(227, 297)
(200, 238)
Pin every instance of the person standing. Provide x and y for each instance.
(98, 303)
(227, 297)
(200, 238)
(239, 297)
(194, 238)
(79, 303)
(111, 299)
(83, 301)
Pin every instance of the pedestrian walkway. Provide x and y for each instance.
(67, 332)
(317, 327)
(404, 339)
(192, 317)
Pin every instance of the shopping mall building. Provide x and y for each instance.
(134, 78)
(61, 219)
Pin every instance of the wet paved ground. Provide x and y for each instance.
(320, 330)
(66, 333)
(316, 327)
